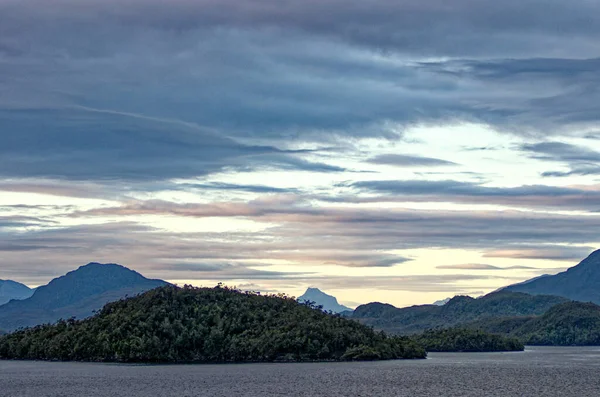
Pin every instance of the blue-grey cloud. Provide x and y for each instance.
(529, 196)
(167, 90)
(83, 145)
(220, 186)
(482, 266)
(404, 160)
(580, 160)
(561, 152)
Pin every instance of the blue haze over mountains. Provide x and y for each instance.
(10, 290)
(328, 302)
(77, 294)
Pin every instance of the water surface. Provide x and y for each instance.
(539, 371)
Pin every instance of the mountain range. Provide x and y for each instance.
(457, 311)
(320, 298)
(81, 292)
(77, 294)
(10, 290)
(506, 309)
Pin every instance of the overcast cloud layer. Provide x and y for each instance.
(401, 151)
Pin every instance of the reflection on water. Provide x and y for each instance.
(538, 371)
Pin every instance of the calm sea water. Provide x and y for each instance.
(535, 372)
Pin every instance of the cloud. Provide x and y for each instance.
(78, 145)
(468, 27)
(17, 221)
(553, 253)
(220, 186)
(561, 152)
(186, 89)
(403, 160)
(532, 196)
(481, 266)
(301, 231)
(580, 160)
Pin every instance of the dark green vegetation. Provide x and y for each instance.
(458, 311)
(567, 324)
(77, 294)
(578, 283)
(466, 340)
(171, 324)
(10, 290)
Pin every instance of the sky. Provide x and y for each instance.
(396, 151)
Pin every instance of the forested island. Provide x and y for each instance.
(200, 325)
(466, 340)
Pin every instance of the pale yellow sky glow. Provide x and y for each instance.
(201, 225)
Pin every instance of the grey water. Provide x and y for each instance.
(538, 371)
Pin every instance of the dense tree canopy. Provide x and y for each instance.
(171, 324)
(567, 324)
(466, 340)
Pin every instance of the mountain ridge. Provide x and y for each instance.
(457, 311)
(10, 290)
(76, 294)
(579, 283)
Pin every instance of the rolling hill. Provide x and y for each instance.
(456, 312)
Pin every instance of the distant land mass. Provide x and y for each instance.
(10, 290)
(566, 324)
(579, 283)
(172, 324)
(457, 311)
(466, 340)
(77, 294)
(320, 298)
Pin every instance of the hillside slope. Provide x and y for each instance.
(578, 283)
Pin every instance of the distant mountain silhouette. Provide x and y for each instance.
(441, 302)
(12, 290)
(579, 283)
(77, 294)
(458, 311)
(319, 297)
